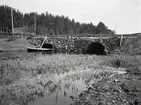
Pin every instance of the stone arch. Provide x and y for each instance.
(51, 46)
(47, 45)
(96, 48)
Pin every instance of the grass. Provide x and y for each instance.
(22, 80)
(117, 90)
(14, 44)
(131, 63)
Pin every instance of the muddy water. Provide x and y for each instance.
(68, 90)
(15, 54)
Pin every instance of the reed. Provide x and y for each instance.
(22, 80)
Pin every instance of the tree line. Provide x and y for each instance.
(47, 23)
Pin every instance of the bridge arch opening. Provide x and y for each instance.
(47, 45)
(50, 46)
(96, 48)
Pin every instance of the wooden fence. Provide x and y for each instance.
(89, 36)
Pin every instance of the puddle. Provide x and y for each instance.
(11, 55)
(71, 85)
(69, 89)
(56, 98)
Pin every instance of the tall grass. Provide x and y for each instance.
(28, 77)
(25, 79)
(12, 70)
(131, 63)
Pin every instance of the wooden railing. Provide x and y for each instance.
(91, 36)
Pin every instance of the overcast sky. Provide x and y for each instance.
(124, 16)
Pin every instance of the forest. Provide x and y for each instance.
(46, 23)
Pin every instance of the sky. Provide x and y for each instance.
(123, 16)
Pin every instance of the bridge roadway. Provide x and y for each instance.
(90, 37)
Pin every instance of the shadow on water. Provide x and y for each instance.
(16, 55)
(64, 95)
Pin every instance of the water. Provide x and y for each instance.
(64, 95)
(71, 84)
(69, 89)
(56, 98)
(15, 55)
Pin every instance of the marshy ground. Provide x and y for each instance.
(64, 79)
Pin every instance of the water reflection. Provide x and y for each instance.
(64, 95)
(15, 55)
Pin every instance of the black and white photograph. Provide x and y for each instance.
(70, 52)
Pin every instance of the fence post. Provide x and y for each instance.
(67, 45)
(101, 39)
(121, 38)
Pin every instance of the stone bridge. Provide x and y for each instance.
(80, 44)
(65, 44)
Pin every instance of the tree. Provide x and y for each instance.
(46, 22)
(101, 27)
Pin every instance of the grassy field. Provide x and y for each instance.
(101, 80)
(14, 44)
(110, 80)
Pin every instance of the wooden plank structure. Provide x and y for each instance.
(40, 49)
(32, 49)
(121, 39)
